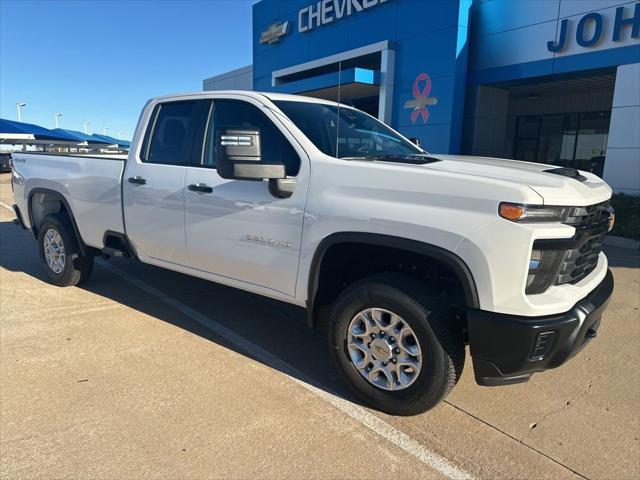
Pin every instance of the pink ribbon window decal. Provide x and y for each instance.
(421, 99)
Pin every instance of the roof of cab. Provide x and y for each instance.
(273, 96)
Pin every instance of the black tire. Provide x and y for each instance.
(77, 267)
(435, 327)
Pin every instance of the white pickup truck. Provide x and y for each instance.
(402, 256)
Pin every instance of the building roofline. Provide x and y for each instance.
(230, 74)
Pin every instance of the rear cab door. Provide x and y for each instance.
(154, 182)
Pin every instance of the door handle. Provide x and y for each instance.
(200, 187)
(137, 180)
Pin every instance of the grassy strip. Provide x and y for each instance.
(627, 215)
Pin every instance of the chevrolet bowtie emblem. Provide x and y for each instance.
(274, 33)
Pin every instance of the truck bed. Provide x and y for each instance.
(90, 185)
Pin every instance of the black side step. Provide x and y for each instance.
(113, 252)
(117, 244)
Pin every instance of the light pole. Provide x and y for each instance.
(58, 115)
(19, 105)
(105, 130)
(86, 127)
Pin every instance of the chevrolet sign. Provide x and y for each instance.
(326, 11)
(274, 33)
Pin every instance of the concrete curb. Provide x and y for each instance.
(621, 242)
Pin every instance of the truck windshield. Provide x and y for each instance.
(346, 132)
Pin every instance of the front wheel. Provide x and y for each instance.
(60, 255)
(397, 346)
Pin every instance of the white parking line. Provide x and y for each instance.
(362, 416)
(7, 207)
(359, 414)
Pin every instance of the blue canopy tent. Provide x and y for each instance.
(83, 138)
(20, 133)
(124, 144)
(97, 141)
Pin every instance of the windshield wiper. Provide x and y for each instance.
(413, 159)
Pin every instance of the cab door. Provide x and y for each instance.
(153, 184)
(236, 229)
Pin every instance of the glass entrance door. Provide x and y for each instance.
(577, 140)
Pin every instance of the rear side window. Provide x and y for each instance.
(275, 148)
(172, 127)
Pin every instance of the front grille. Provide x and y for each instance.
(591, 224)
(589, 217)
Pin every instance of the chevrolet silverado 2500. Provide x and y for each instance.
(403, 257)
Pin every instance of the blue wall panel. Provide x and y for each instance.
(293, 53)
(433, 53)
(417, 17)
(325, 41)
(494, 17)
(434, 138)
(371, 26)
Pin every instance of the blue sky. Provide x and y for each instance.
(101, 60)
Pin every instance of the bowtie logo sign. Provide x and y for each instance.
(421, 99)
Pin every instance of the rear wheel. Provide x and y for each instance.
(398, 347)
(60, 255)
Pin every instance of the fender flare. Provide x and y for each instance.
(61, 198)
(447, 257)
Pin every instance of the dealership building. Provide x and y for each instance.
(551, 81)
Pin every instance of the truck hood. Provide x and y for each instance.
(555, 189)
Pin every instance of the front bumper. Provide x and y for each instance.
(509, 349)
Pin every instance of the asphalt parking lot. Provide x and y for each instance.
(148, 373)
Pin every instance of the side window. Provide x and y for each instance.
(169, 142)
(236, 113)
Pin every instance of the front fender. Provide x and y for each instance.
(457, 264)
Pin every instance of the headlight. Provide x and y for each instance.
(532, 213)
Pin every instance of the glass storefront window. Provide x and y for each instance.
(556, 142)
(577, 140)
(592, 141)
